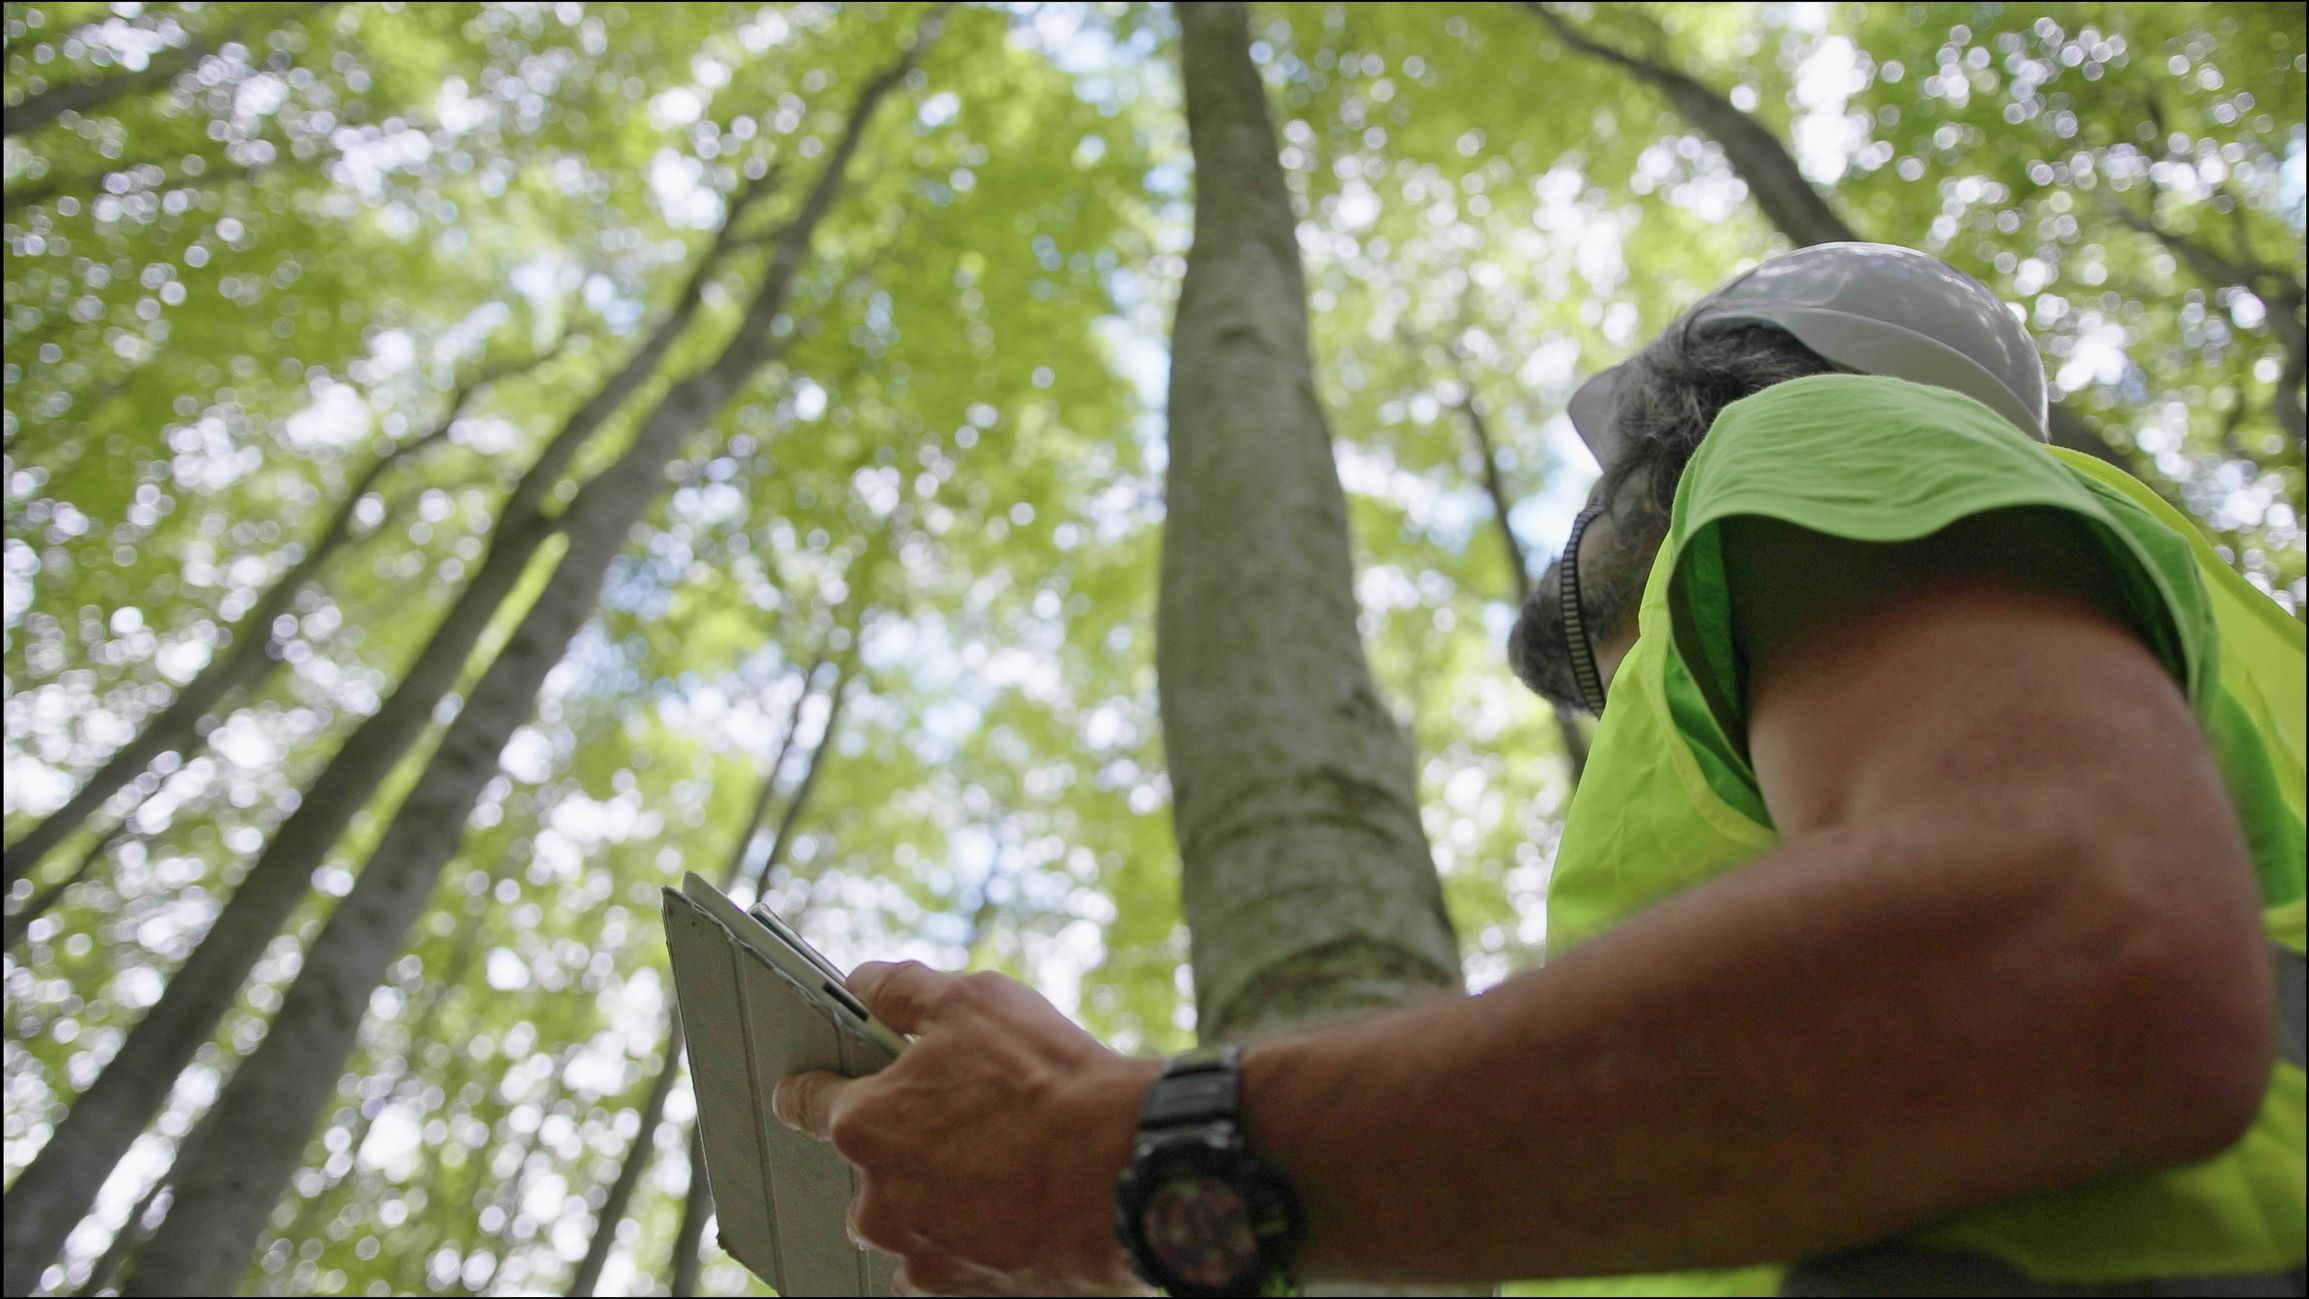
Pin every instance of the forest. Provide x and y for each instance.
(468, 463)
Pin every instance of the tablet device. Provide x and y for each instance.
(758, 1004)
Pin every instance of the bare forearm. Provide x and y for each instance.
(1823, 1047)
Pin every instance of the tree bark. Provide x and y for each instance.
(36, 111)
(236, 1163)
(253, 654)
(56, 1189)
(1790, 202)
(1309, 886)
(461, 952)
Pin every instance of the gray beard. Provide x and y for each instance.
(1540, 647)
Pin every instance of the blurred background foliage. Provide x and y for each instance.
(256, 247)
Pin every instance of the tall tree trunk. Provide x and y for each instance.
(56, 1189)
(620, 1196)
(1789, 201)
(696, 1207)
(516, 1186)
(35, 111)
(237, 1162)
(462, 950)
(1309, 886)
(621, 1190)
(254, 651)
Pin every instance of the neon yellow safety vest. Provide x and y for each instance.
(1668, 801)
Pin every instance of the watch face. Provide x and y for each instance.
(1200, 1229)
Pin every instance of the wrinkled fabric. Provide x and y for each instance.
(1669, 800)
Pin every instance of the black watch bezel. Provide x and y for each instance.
(1213, 1149)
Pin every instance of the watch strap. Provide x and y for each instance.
(1201, 1086)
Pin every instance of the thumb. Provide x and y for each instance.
(805, 1101)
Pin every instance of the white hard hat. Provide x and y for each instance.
(1870, 309)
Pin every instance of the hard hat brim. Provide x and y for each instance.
(1590, 409)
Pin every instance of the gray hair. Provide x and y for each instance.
(1667, 400)
(1671, 396)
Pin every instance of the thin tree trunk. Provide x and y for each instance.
(35, 111)
(791, 819)
(620, 1197)
(249, 1142)
(56, 1189)
(1789, 201)
(696, 1207)
(1309, 886)
(1518, 567)
(769, 790)
(509, 1199)
(461, 953)
(253, 652)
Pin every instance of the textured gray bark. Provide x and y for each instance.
(57, 1188)
(1790, 201)
(462, 950)
(35, 111)
(237, 1161)
(1309, 886)
(252, 656)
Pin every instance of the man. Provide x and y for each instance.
(1929, 918)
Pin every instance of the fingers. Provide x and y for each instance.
(936, 1272)
(805, 1102)
(906, 995)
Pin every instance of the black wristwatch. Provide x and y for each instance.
(1197, 1212)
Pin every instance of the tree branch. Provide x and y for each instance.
(1470, 407)
(38, 110)
(1791, 202)
(1798, 210)
(2281, 291)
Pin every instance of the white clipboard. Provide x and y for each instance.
(757, 1004)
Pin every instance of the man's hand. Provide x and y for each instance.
(990, 1150)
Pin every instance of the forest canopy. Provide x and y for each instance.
(468, 463)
